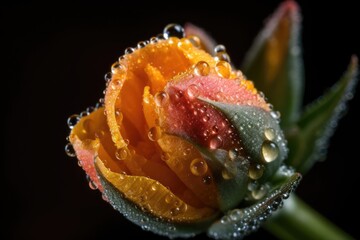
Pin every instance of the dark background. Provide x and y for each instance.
(55, 59)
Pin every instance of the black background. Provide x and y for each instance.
(54, 59)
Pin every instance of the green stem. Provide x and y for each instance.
(297, 221)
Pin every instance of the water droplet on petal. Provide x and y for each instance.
(108, 76)
(165, 156)
(198, 167)
(195, 41)
(153, 40)
(141, 44)
(275, 114)
(161, 98)
(219, 48)
(269, 134)
(256, 171)
(222, 56)
(154, 187)
(154, 133)
(69, 150)
(233, 154)
(173, 30)
(215, 142)
(121, 153)
(92, 185)
(270, 151)
(129, 50)
(207, 179)
(202, 68)
(223, 69)
(192, 91)
(169, 198)
(73, 120)
(116, 68)
(226, 174)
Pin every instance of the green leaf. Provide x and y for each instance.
(308, 140)
(238, 223)
(275, 63)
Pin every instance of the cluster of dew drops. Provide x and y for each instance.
(223, 68)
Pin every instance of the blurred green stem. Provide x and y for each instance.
(297, 220)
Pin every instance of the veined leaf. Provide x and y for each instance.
(275, 62)
(309, 139)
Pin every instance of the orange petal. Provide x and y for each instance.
(153, 197)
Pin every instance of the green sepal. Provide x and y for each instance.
(238, 223)
(308, 139)
(275, 62)
(251, 124)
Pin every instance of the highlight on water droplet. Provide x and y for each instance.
(256, 171)
(233, 154)
(207, 179)
(129, 50)
(275, 114)
(69, 150)
(121, 154)
(154, 133)
(269, 134)
(195, 40)
(223, 69)
(201, 68)
(73, 120)
(260, 193)
(269, 151)
(141, 44)
(108, 76)
(116, 68)
(219, 48)
(198, 167)
(161, 98)
(173, 30)
(215, 142)
(192, 91)
(92, 185)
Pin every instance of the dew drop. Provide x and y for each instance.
(259, 193)
(233, 154)
(206, 118)
(256, 171)
(207, 179)
(108, 77)
(219, 48)
(236, 215)
(116, 67)
(173, 30)
(195, 41)
(160, 36)
(223, 69)
(192, 91)
(214, 129)
(154, 187)
(169, 198)
(73, 120)
(92, 185)
(69, 150)
(198, 167)
(226, 174)
(269, 134)
(129, 50)
(225, 219)
(154, 133)
(201, 68)
(153, 40)
(222, 56)
(165, 156)
(161, 98)
(141, 44)
(275, 114)
(215, 142)
(270, 151)
(121, 154)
